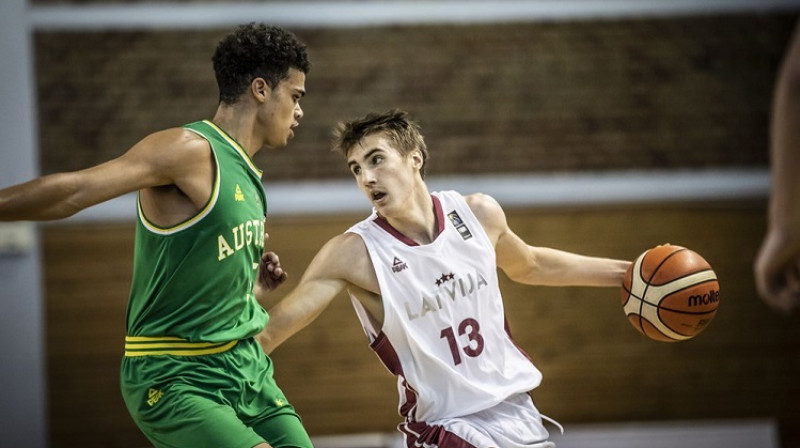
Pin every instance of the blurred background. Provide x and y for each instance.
(604, 128)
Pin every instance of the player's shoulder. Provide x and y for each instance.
(344, 246)
(176, 137)
(482, 204)
(343, 256)
(348, 243)
(488, 212)
(172, 146)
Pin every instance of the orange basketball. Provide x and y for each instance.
(670, 293)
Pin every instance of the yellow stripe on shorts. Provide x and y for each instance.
(167, 345)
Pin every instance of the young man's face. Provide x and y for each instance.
(281, 112)
(384, 175)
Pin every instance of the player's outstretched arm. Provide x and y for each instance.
(153, 161)
(324, 279)
(777, 266)
(541, 265)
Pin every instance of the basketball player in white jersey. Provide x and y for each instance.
(421, 272)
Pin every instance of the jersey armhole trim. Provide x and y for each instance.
(194, 219)
(237, 146)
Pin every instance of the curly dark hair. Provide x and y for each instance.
(252, 51)
(397, 125)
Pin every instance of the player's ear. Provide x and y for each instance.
(260, 89)
(416, 158)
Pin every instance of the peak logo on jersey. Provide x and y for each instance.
(153, 395)
(444, 278)
(462, 228)
(238, 196)
(398, 265)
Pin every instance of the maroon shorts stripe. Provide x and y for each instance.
(419, 434)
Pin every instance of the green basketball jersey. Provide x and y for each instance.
(194, 280)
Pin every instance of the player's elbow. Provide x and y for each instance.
(59, 197)
(266, 340)
(62, 210)
(527, 272)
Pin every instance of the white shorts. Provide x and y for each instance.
(514, 423)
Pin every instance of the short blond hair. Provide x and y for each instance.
(395, 123)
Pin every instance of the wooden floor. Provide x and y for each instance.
(597, 368)
(716, 434)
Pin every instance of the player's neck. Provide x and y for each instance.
(418, 220)
(238, 126)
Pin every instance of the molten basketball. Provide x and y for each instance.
(670, 293)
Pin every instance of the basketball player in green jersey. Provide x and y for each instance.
(192, 374)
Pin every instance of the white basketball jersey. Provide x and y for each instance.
(444, 332)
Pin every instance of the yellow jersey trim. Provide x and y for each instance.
(236, 146)
(154, 346)
(191, 221)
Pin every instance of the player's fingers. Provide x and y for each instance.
(270, 258)
(272, 264)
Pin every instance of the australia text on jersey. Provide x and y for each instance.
(250, 232)
(460, 287)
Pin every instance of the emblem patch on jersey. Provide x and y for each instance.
(238, 196)
(462, 228)
(445, 278)
(398, 265)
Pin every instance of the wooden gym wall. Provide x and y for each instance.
(645, 94)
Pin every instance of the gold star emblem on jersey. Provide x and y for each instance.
(238, 195)
(279, 402)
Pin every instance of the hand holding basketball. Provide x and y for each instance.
(670, 293)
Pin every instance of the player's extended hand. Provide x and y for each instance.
(270, 273)
(777, 272)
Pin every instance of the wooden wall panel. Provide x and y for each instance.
(87, 275)
(686, 92)
(596, 367)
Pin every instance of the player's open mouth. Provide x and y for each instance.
(377, 195)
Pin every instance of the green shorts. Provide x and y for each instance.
(184, 394)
